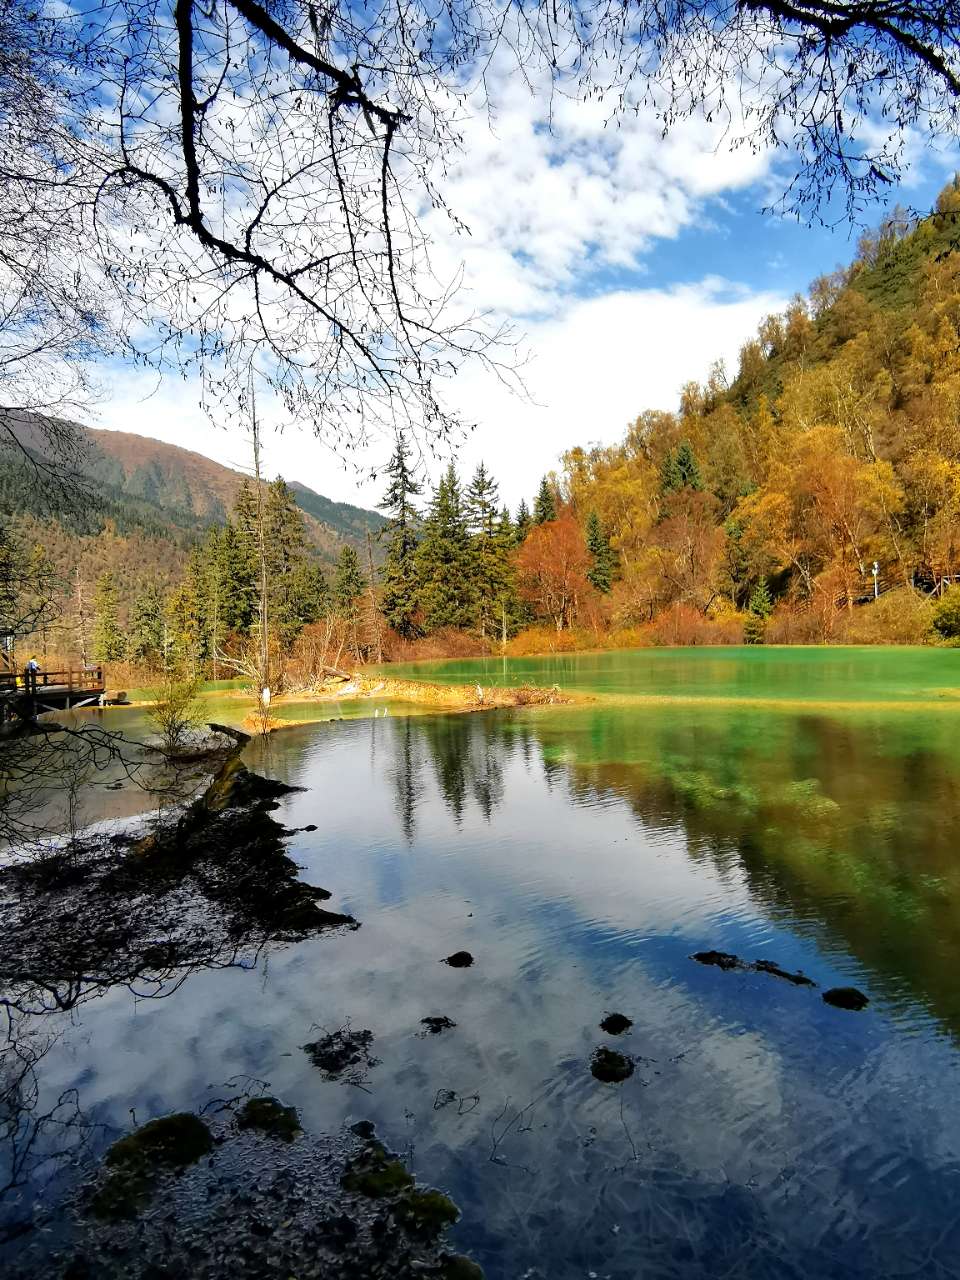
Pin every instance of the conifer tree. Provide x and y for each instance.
(349, 582)
(147, 629)
(687, 468)
(670, 480)
(186, 626)
(488, 555)
(523, 522)
(348, 588)
(285, 549)
(399, 600)
(761, 605)
(443, 558)
(480, 503)
(545, 506)
(235, 569)
(600, 574)
(109, 642)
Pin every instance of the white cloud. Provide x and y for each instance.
(560, 202)
(593, 369)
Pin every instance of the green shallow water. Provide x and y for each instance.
(795, 674)
(582, 853)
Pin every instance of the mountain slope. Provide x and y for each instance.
(138, 507)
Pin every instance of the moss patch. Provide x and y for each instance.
(271, 1117)
(170, 1143)
(377, 1174)
(426, 1214)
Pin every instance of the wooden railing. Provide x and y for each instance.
(87, 678)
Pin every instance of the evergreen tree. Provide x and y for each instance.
(670, 480)
(687, 468)
(480, 503)
(761, 604)
(545, 506)
(285, 547)
(489, 555)
(147, 629)
(600, 573)
(443, 559)
(234, 568)
(349, 583)
(186, 626)
(399, 600)
(523, 522)
(109, 642)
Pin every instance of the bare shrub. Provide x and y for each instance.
(177, 712)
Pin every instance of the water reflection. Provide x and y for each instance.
(581, 855)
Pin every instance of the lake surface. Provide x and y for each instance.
(582, 853)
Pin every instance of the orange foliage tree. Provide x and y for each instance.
(552, 566)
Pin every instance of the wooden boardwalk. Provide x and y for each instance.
(29, 694)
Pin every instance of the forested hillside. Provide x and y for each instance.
(137, 512)
(813, 494)
(834, 447)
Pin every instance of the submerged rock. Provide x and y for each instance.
(722, 959)
(170, 1143)
(610, 1067)
(725, 960)
(454, 1266)
(270, 1116)
(329, 1206)
(799, 979)
(434, 1025)
(846, 998)
(614, 1024)
(459, 960)
(342, 1052)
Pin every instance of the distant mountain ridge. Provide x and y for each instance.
(138, 508)
(177, 479)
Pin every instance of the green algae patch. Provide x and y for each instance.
(376, 1174)
(170, 1143)
(426, 1214)
(271, 1117)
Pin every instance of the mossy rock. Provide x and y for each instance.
(376, 1174)
(426, 1214)
(271, 1117)
(610, 1067)
(456, 1267)
(170, 1143)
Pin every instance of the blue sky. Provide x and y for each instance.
(626, 263)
